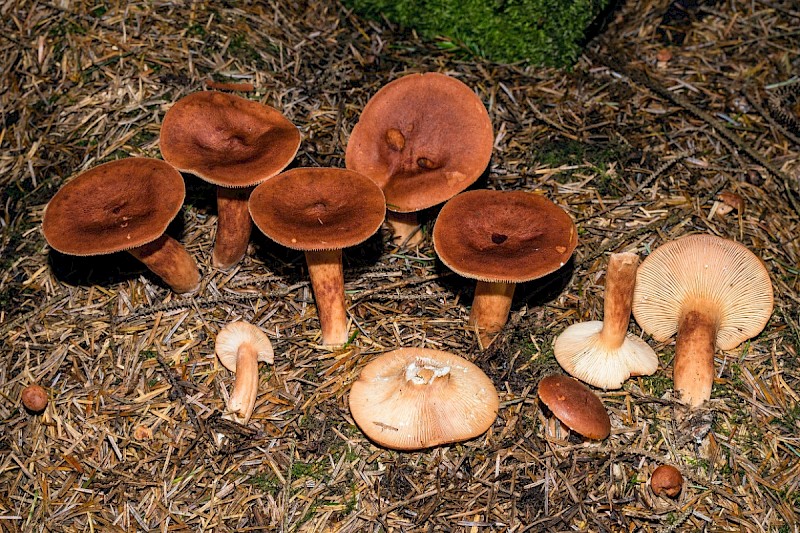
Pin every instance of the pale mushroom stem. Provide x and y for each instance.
(234, 226)
(620, 281)
(245, 388)
(693, 372)
(405, 228)
(490, 308)
(327, 280)
(166, 258)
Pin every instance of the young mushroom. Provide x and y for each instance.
(124, 205)
(575, 405)
(240, 346)
(34, 398)
(666, 480)
(603, 354)
(320, 211)
(711, 292)
(423, 138)
(235, 144)
(415, 398)
(501, 238)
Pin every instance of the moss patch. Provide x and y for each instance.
(545, 32)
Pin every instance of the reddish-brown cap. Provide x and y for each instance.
(414, 398)
(227, 140)
(318, 208)
(505, 236)
(575, 405)
(703, 271)
(423, 138)
(34, 398)
(666, 481)
(113, 207)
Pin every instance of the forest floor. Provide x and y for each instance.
(636, 141)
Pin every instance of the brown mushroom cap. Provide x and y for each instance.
(666, 480)
(729, 279)
(423, 138)
(34, 398)
(227, 140)
(503, 236)
(414, 398)
(574, 404)
(233, 335)
(318, 208)
(114, 207)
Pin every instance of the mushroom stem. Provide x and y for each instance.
(490, 308)
(693, 373)
(234, 226)
(166, 258)
(327, 280)
(245, 388)
(620, 281)
(405, 228)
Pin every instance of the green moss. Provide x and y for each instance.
(546, 32)
(266, 483)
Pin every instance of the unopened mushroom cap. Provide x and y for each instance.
(34, 398)
(414, 398)
(666, 480)
(574, 404)
(582, 354)
(318, 208)
(422, 138)
(505, 236)
(233, 335)
(227, 140)
(719, 275)
(113, 207)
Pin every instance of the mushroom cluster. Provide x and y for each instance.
(420, 141)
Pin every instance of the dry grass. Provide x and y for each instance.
(128, 442)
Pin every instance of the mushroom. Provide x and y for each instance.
(235, 144)
(712, 292)
(501, 238)
(320, 211)
(423, 138)
(415, 398)
(666, 480)
(575, 405)
(34, 398)
(240, 346)
(124, 205)
(603, 354)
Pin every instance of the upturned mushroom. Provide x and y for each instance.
(124, 205)
(575, 405)
(240, 346)
(423, 138)
(501, 238)
(711, 292)
(602, 353)
(415, 398)
(320, 211)
(235, 144)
